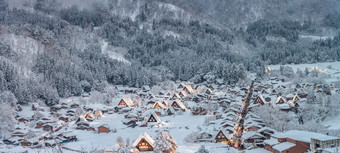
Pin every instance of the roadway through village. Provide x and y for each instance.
(239, 129)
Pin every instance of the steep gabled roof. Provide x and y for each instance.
(146, 137)
(154, 115)
(128, 101)
(188, 87)
(279, 98)
(160, 104)
(179, 103)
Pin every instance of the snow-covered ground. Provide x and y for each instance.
(331, 69)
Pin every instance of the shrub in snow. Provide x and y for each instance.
(192, 137)
(202, 150)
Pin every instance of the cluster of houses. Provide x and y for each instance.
(43, 128)
(302, 141)
(142, 107)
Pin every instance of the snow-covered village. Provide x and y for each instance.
(169, 76)
(255, 116)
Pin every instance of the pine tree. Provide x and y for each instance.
(164, 143)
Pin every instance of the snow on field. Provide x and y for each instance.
(113, 52)
(179, 126)
(311, 37)
(331, 69)
(332, 123)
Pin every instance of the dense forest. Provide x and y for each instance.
(72, 59)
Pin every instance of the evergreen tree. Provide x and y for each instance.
(164, 143)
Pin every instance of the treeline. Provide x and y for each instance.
(63, 70)
(291, 49)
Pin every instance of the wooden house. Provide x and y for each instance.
(146, 88)
(296, 98)
(267, 132)
(219, 82)
(264, 91)
(176, 96)
(158, 105)
(253, 127)
(274, 92)
(208, 91)
(89, 116)
(259, 100)
(297, 85)
(188, 89)
(127, 102)
(180, 86)
(165, 103)
(29, 142)
(74, 105)
(62, 118)
(23, 120)
(39, 124)
(144, 143)
(103, 129)
(212, 87)
(170, 111)
(18, 134)
(221, 137)
(280, 100)
(98, 113)
(253, 137)
(153, 118)
(177, 104)
(48, 127)
(182, 94)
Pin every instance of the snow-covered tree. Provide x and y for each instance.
(96, 97)
(202, 150)
(7, 120)
(164, 143)
(30, 134)
(120, 142)
(37, 116)
(192, 137)
(273, 117)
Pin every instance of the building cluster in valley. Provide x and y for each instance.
(144, 108)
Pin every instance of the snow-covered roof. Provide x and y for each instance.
(290, 95)
(183, 94)
(271, 141)
(284, 106)
(279, 98)
(159, 103)
(146, 87)
(283, 146)
(158, 120)
(252, 134)
(304, 136)
(266, 129)
(220, 81)
(188, 87)
(128, 101)
(179, 103)
(146, 137)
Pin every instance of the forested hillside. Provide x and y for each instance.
(52, 48)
